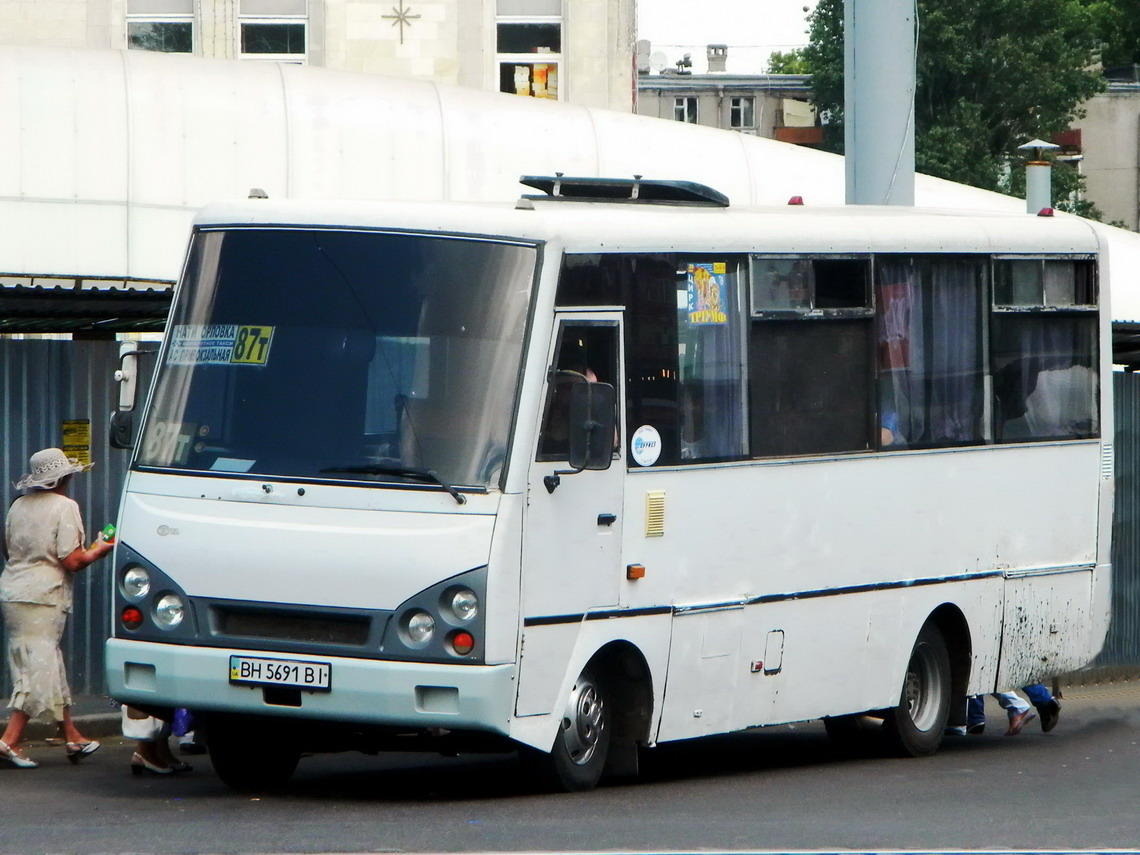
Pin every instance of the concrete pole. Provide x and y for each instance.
(879, 75)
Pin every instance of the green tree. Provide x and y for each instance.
(1118, 29)
(991, 75)
(791, 62)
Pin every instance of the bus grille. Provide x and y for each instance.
(279, 626)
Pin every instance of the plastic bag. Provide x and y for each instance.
(139, 725)
(183, 722)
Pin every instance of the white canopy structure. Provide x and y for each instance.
(107, 154)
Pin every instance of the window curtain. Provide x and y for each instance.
(709, 356)
(1045, 382)
(930, 354)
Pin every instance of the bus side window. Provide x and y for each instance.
(586, 352)
(810, 372)
(1044, 350)
(709, 359)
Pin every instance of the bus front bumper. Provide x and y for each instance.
(371, 691)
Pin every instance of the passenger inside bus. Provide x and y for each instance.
(585, 354)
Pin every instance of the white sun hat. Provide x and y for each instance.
(49, 467)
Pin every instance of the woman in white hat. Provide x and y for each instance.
(45, 548)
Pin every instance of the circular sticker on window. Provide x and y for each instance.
(645, 446)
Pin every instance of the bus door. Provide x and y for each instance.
(572, 533)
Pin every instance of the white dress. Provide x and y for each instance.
(42, 528)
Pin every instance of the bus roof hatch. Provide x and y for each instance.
(635, 190)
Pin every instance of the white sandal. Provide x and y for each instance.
(15, 757)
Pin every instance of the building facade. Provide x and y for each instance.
(776, 106)
(571, 50)
(1104, 145)
(1108, 145)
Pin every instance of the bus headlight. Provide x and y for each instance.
(419, 627)
(169, 611)
(134, 583)
(462, 603)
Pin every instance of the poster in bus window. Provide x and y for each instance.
(896, 303)
(707, 291)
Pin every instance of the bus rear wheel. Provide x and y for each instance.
(577, 759)
(251, 756)
(914, 728)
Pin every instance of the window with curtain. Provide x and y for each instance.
(930, 352)
(685, 109)
(709, 357)
(742, 112)
(1044, 350)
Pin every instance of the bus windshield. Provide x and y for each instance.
(342, 355)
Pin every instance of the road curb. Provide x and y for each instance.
(95, 726)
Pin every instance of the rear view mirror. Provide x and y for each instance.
(122, 427)
(593, 420)
(122, 430)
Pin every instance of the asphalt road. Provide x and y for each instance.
(777, 789)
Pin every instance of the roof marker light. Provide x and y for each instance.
(796, 200)
(1045, 212)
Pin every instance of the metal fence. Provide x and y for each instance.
(1121, 654)
(42, 385)
(45, 383)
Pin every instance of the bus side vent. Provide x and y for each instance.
(636, 190)
(655, 513)
(1106, 460)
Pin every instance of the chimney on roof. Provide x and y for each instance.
(717, 56)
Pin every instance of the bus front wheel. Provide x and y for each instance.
(578, 757)
(251, 756)
(914, 728)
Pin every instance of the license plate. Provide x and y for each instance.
(254, 670)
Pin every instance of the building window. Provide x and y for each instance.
(742, 112)
(162, 36)
(274, 30)
(528, 46)
(685, 109)
(166, 26)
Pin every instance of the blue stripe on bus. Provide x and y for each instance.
(551, 620)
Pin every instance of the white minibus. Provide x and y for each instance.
(610, 466)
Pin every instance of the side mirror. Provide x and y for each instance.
(121, 434)
(593, 420)
(122, 430)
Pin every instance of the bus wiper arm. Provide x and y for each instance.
(405, 471)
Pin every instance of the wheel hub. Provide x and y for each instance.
(583, 722)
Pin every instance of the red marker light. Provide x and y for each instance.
(1045, 212)
(131, 617)
(463, 642)
(796, 200)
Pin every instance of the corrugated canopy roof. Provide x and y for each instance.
(65, 305)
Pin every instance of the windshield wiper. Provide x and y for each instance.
(404, 471)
